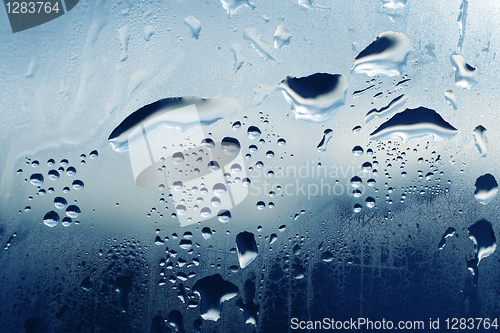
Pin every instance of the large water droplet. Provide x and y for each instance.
(246, 248)
(486, 188)
(356, 182)
(178, 158)
(213, 166)
(315, 98)
(219, 189)
(206, 232)
(54, 175)
(281, 37)
(36, 179)
(357, 151)
(224, 216)
(415, 124)
(51, 219)
(60, 203)
(480, 139)
(465, 75)
(71, 171)
(208, 143)
(230, 146)
(253, 132)
(73, 211)
(194, 26)
(385, 56)
(78, 185)
(213, 290)
(261, 205)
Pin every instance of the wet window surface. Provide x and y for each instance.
(238, 166)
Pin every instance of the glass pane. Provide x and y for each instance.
(249, 166)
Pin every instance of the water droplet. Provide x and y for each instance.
(357, 151)
(386, 55)
(94, 154)
(178, 185)
(205, 212)
(414, 124)
(213, 166)
(370, 202)
(219, 189)
(356, 129)
(73, 211)
(366, 167)
(356, 182)
(395, 104)
(51, 219)
(206, 233)
(230, 146)
(35, 164)
(327, 256)
(486, 188)
(450, 232)
(71, 171)
(236, 125)
(327, 135)
(60, 203)
(53, 175)
(315, 98)
(281, 142)
(236, 169)
(484, 239)
(194, 26)
(234, 6)
(451, 99)
(393, 4)
(78, 185)
(224, 216)
(51, 162)
(281, 37)
(66, 221)
(178, 158)
(181, 209)
(246, 248)
(480, 139)
(465, 75)
(36, 179)
(215, 201)
(27, 208)
(262, 47)
(357, 208)
(213, 291)
(261, 205)
(253, 132)
(208, 143)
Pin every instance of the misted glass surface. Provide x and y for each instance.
(238, 166)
